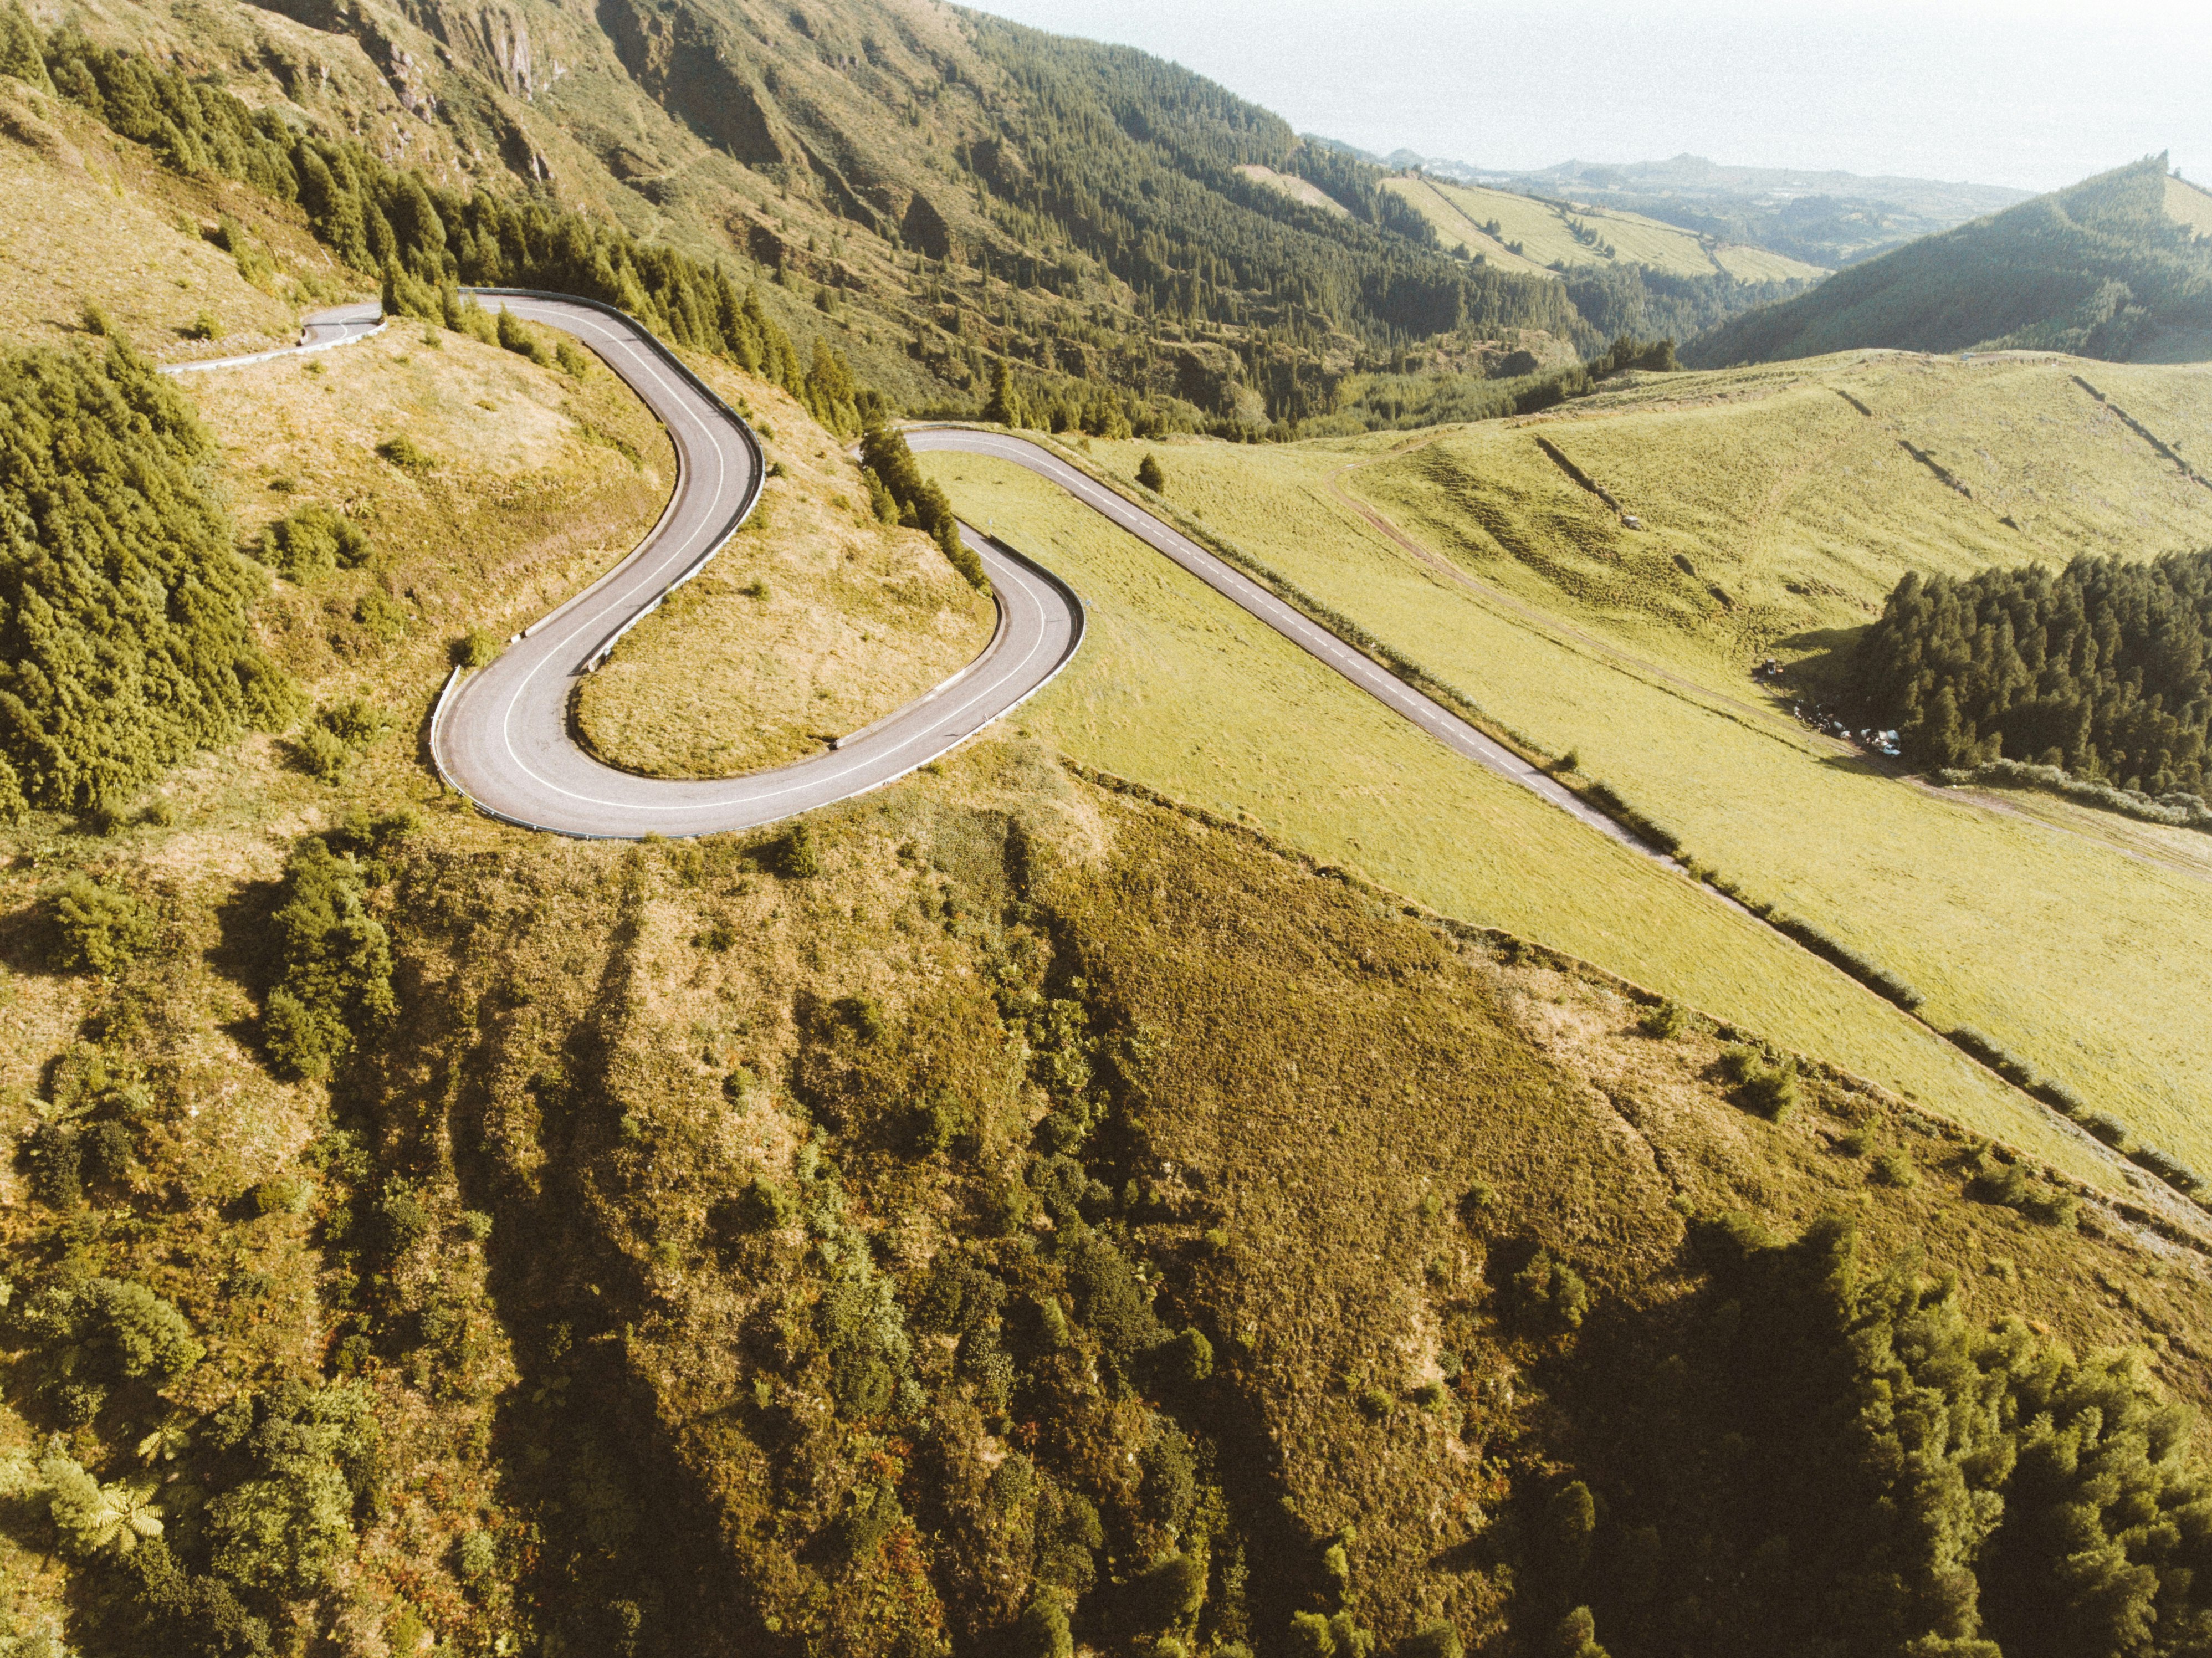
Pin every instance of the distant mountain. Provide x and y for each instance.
(2118, 266)
(1826, 217)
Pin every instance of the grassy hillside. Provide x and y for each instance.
(1548, 234)
(2115, 267)
(933, 193)
(1531, 599)
(1038, 1213)
(818, 619)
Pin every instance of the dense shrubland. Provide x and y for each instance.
(911, 1233)
(2099, 668)
(125, 642)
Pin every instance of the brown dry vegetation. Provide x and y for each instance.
(1293, 1082)
(93, 221)
(815, 621)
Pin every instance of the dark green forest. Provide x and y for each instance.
(1133, 160)
(124, 636)
(1828, 1456)
(2100, 668)
(2097, 269)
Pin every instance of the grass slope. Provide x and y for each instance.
(92, 221)
(1544, 231)
(2115, 267)
(816, 621)
(2060, 944)
(1177, 689)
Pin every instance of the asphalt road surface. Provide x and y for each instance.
(341, 324)
(1240, 590)
(502, 735)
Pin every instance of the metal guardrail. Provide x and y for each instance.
(730, 528)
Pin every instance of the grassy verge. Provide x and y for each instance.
(816, 620)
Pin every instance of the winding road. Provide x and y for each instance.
(502, 735)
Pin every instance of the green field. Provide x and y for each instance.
(2065, 935)
(1179, 689)
(1545, 234)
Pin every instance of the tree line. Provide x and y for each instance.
(424, 241)
(1133, 161)
(2099, 668)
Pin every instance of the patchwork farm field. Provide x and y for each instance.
(1534, 233)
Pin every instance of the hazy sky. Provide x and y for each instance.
(2030, 94)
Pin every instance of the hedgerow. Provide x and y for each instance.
(124, 608)
(921, 503)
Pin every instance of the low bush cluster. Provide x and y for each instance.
(1761, 1086)
(125, 642)
(336, 959)
(313, 542)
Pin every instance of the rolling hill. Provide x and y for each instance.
(2118, 267)
(1822, 216)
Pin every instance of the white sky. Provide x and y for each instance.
(2032, 93)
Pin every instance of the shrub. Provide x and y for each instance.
(323, 754)
(2106, 1127)
(476, 649)
(313, 542)
(795, 855)
(515, 336)
(1663, 1022)
(572, 360)
(1188, 1359)
(1770, 1090)
(356, 722)
(405, 453)
(2008, 1185)
(762, 1207)
(1042, 1630)
(1995, 1055)
(1549, 1291)
(203, 326)
(1893, 1169)
(2168, 1168)
(1150, 475)
(476, 1557)
(337, 958)
(99, 928)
